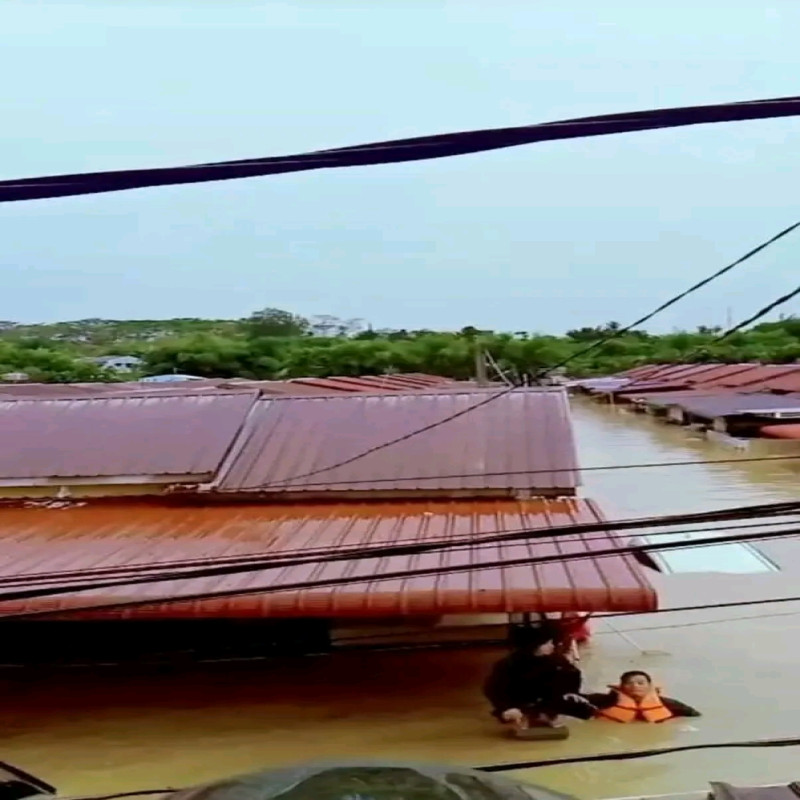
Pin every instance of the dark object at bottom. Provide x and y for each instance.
(369, 781)
(724, 791)
(16, 784)
(541, 732)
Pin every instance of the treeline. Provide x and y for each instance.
(274, 344)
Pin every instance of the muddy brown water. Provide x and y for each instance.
(113, 730)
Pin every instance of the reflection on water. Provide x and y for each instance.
(116, 731)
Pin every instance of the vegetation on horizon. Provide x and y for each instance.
(274, 344)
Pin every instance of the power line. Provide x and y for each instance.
(396, 151)
(631, 754)
(27, 594)
(564, 362)
(556, 470)
(700, 623)
(519, 765)
(267, 560)
(406, 548)
(762, 313)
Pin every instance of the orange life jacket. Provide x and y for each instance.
(650, 708)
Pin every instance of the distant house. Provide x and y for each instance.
(119, 363)
(170, 378)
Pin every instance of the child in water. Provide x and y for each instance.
(637, 698)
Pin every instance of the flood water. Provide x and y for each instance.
(110, 730)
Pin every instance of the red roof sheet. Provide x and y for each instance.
(723, 373)
(789, 382)
(84, 538)
(294, 386)
(126, 436)
(754, 378)
(520, 441)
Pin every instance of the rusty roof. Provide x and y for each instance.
(175, 435)
(84, 538)
(521, 441)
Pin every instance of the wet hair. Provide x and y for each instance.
(632, 674)
(532, 638)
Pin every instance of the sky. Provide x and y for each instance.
(544, 237)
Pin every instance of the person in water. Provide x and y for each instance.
(534, 685)
(637, 698)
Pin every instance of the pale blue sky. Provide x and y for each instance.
(544, 237)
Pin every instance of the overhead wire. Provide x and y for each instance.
(385, 549)
(627, 755)
(271, 560)
(392, 635)
(396, 151)
(554, 470)
(608, 337)
(49, 591)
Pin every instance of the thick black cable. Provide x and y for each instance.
(612, 335)
(550, 762)
(323, 555)
(387, 637)
(275, 560)
(331, 582)
(399, 150)
(757, 316)
(631, 754)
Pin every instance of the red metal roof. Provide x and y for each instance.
(293, 386)
(753, 378)
(723, 373)
(491, 447)
(38, 540)
(790, 382)
(120, 436)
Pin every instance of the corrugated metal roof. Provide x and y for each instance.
(524, 430)
(650, 386)
(293, 386)
(663, 399)
(754, 378)
(783, 383)
(90, 537)
(126, 436)
(724, 373)
(723, 405)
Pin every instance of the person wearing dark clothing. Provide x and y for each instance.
(637, 698)
(533, 685)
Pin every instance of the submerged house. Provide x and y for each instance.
(281, 520)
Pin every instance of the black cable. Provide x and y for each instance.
(397, 635)
(329, 583)
(601, 468)
(399, 150)
(519, 765)
(275, 560)
(283, 482)
(762, 313)
(630, 754)
(324, 555)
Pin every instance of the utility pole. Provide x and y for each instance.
(481, 375)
